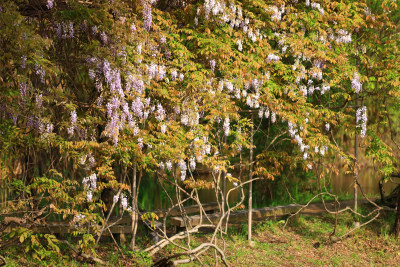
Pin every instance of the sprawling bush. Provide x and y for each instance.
(97, 94)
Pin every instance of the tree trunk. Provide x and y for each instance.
(396, 227)
(250, 214)
(356, 167)
(122, 236)
(134, 209)
(223, 179)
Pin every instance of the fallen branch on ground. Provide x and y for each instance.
(3, 261)
(197, 251)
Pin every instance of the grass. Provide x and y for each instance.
(304, 242)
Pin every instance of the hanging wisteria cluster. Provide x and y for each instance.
(356, 84)
(361, 120)
(90, 185)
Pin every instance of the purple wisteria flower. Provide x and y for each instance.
(168, 165)
(94, 30)
(23, 61)
(272, 57)
(92, 74)
(124, 202)
(50, 4)
(23, 89)
(212, 65)
(192, 164)
(240, 45)
(73, 117)
(103, 37)
(147, 16)
(174, 74)
(40, 72)
(163, 128)
(140, 142)
(161, 165)
(163, 40)
(356, 84)
(39, 101)
(273, 117)
(133, 27)
(183, 167)
(160, 113)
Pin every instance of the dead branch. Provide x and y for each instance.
(116, 243)
(200, 249)
(161, 244)
(357, 227)
(4, 262)
(15, 220)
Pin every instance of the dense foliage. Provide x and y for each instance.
(96, 94)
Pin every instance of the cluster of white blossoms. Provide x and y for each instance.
(182, 166)
(78, 219)
(343, 36)
(90, 184)
(240, 45)
(226, 126)
(318, 7)
(50, 4)
(89, 158)
(356, 84)
(293, 132)
(276, 12)
(272, 57)
(231, 15)
(190, 117)
(361, 120)
(124, 201)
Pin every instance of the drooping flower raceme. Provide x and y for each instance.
(73, 122)
(327, 127)
(124, 202)
(147, 16)
(40, 72)
(240, 45)
(343, 37)
(73, 117)
(39, 101)
(168, 165)
(276, 13)
(212, 65)
(318, 7)
(161, 165)
(23, 61)
(356, 84)
(50, 4)
(163, 128)
(272, 57)
(183, 167)
(90, 184)
(361, 120)
(273, 117)
(226, 126)
(192, 164)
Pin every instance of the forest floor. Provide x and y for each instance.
(304, 242)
